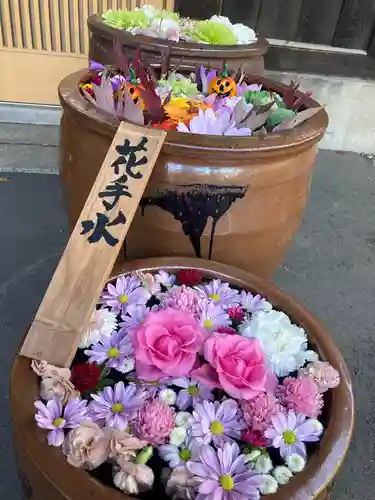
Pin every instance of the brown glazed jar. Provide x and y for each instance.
(250, 56)
(46, 475)
(237, 200)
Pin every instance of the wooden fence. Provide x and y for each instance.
(41, 41)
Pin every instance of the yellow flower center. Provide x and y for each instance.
(117, 408)
(185, 454)
(57, 422)
(289, 437)
(226, 482)
(123, 298)
(113, 352)
(208, 323)
(216, 428)
(215, 297)
(193, 390)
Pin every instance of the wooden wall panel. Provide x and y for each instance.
(198, 9)
(239, 11)
(355, 25)
(278, 18)
(317, 21)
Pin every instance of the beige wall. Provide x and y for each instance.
(41, 41)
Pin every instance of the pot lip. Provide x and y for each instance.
(309, 132)
(321, 467)
(187, 49)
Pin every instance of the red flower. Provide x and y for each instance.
(86, 376)
(255, 438)
(236, 313)
(189, 277)
(225, 329)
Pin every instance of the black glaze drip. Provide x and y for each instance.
(193, 204)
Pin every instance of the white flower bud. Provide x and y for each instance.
(183, 419)
(168, 396)
(282, 474)
(269, 486)
(263, 464)
(253, 455)
(177, 436)
(296, 463)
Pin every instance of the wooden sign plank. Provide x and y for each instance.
(89, 256)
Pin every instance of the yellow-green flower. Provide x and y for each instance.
(213, 33)
(125, 19)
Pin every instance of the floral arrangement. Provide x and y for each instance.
(206, 101)
(188, 388)
(150, 21)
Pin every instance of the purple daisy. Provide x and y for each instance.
(152, 388)
(213, 316)
(165, 278)
(127, 292)
(253, 303)
(217, 422)
(135, 317)
(117, 406)
(289, 432)
(51, 416)
(115, 351)
(223, 475)
(192, 392)
(220, 293)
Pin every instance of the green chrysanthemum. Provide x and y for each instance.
(279, 115)
(183, 86)
(213, 33)
(125, 19)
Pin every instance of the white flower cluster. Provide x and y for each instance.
(243, 33)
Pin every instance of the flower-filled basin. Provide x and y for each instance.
(195, 380)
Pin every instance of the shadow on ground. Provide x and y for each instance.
(330, 268)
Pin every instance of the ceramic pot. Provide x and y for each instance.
(250, 57)
(46, 475)
(237, 200)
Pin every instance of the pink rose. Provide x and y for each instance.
(166, 344)
(236, 364)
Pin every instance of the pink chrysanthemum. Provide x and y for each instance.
(301, 395)
(183, 299)
(154, 422)
(259, 411)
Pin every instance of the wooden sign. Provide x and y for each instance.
(90, 254)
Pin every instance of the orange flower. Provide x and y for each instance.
(166, 125)
(181, 109)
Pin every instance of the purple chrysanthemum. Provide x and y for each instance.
(213, 316)
(192, 392)
(115, 351)
(124, 294)
(223, 475)
(165, 278)
(117, 406)
(289, 432)
(51, 416)
(219, 293)
(217, 422)
(253, 303)
(135, 317)
(152, 388)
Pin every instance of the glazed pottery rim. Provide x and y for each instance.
(321, 466)
(302, 136)
(96, 24)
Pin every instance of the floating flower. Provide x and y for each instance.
(183, 419)
(244, 87)
(116, 352)
(282, 474)
(56, 387)
(301, 395)
(165, 279)
(270, 485)
(263, 464)
(255, 438)
(181, 484)
(323, 374)
(226, 330)
(167, 344)
(206, 78)
(296, 463)
(243, 34)
(183, 298)
(177, 436)
(103, 322)
(192, 392)
(284, 344)
(117, 406)
(213, 33)
(86, 446)
(154, 422)
(219, 293)
(134, 318)
(290, 432)
(177, 456)
(148, 281)
(168, 396)
(51, 416)
(253, 303)
(237, 313)
(133, 478)
(44, 369)
(126, 292)
(123, 447)
(210, 123)
(223, 474)
(217, 422)
(213, 316)
(86, 376)
(236, 365)
(189, 277)
(258, 411)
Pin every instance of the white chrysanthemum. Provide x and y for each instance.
(269, 485)
(282, 474)
(284, 344)
(183, 419)
(103, 323)
(252, 456)
(243, 33)
(168, 396)
(221, 20)
(296, 463)
(263, 464)
(177, 436)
